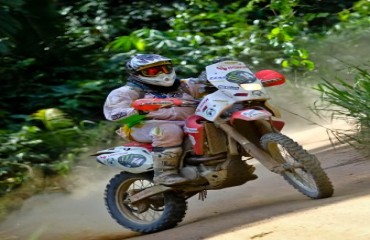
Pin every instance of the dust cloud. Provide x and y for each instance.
(332, 57)
(79, 209)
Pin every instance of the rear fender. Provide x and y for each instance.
(128, 158)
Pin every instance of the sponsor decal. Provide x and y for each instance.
(253, 113)
(222, 68)
(257, 93)
(241, 77)
(198, 110)
(230, 65)
(190, 130)
(210, 112)
(111, 161)
(202, 104)
(164, 102)
(119, 115)
(227, 87)
(132, 160)
(217, 78)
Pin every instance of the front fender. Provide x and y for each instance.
(251, 115)
(256, 114)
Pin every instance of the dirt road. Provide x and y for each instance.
(267, 208)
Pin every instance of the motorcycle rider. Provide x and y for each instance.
(153, 76)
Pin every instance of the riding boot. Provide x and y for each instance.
(166, 163)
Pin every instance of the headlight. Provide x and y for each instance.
(251, 86)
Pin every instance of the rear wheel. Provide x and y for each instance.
(301, 169)
(156, 213)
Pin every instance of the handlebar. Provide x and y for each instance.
(153, 104)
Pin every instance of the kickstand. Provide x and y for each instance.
(202, 195)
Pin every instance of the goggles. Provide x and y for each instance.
(155, 71)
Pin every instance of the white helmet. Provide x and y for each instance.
(153, 69)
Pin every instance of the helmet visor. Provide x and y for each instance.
(155, 71)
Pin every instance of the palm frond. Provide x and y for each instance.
(53, 119)
(349, 102)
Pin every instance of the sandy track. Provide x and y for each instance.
(267, 208)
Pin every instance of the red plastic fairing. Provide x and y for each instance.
(270, 78)
(138, 144)
(195, 131)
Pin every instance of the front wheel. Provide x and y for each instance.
(153, 214)
(301, 169)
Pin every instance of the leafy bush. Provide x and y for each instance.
(50, 143)
(200, 31)
(349, 102)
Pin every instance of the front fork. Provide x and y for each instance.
(263, 157)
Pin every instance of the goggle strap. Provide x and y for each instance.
(154, 65)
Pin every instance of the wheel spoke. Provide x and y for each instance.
(296, 171)
(142, 211)
(151, 214)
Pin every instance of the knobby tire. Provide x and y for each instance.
(174, 206)
(321, 186)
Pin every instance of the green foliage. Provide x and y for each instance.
(258, 32)
(9, 25)
(357, 15)
(349, 102)
(126, 43)
(13, 175)
(50, 142)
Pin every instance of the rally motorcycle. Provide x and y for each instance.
(233, 123)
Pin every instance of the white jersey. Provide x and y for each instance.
(118, 106)
(118, 103)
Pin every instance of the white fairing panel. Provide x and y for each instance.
(129, 159)
(236, 80)
(213, 105)
(235, 83)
